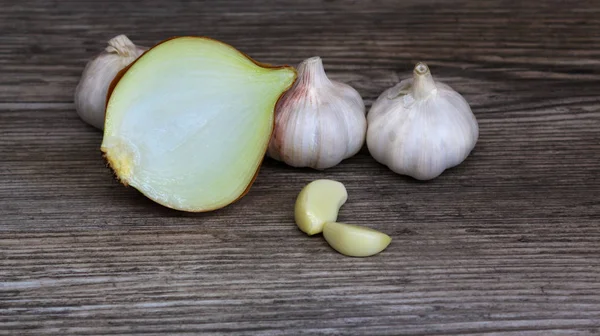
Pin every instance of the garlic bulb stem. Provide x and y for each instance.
(121, 45)
(312, 74)
(423, 84)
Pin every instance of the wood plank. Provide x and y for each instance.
(508, 243)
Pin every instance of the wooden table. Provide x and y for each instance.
(508, 243)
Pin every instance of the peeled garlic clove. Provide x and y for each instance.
(319, 122)
(90, 94)
(355, 241)
(421, 127)
(318, 203)
(189, 122)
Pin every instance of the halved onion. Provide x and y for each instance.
(189, 122)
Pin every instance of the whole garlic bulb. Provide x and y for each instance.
(421, 127)
(90, 94)
(318, 122)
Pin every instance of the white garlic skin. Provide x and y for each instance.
(421, 127)
(318, 122)
(91, 91)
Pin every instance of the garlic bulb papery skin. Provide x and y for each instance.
(421, 127)
(90, 94)
(318, 122)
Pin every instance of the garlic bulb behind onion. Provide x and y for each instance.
(90, 94)
(421, 127)
(318, 122)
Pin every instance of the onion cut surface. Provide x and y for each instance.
(189, 122)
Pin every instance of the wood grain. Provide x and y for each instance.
(508, 243)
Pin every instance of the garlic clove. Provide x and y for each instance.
(318, 122)
(421, 127)
(354, 240)
(318, 203)
(188, 123)
(90, 93)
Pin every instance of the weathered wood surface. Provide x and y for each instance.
(508, 243)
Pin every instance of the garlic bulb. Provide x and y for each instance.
(318, 122)
(90, 94)
(421, 127)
